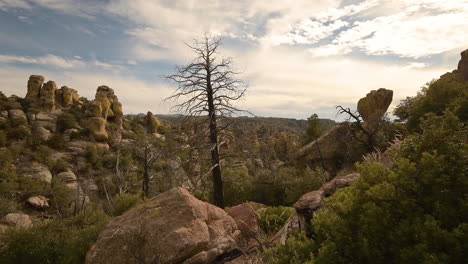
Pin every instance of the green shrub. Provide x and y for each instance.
(56, 142)
(59, 242)
(297, 250)
(414, 212)
(272, 219)
(125, 201)
(3, 138)
(18, 133)
(66, 121)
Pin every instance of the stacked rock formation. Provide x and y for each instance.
(105, 107)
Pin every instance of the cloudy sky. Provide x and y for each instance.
(298, 56)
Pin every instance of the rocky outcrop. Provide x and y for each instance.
(309, 204)
(374, 106)
(463, 65)
(346, 141)
(36, 171)
(312, 201)
(173, 227)
(18, 220)
(327, 146)
(39, 202)
(46, 97)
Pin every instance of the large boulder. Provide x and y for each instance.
(18, 220)
(247, 220)
(17, 117)
(173, 227)
(374, 106)
(34, 88)
(39, 202)
(36, 171)
(41, 133)
(463, 65)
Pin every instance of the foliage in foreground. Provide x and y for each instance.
(56, 241)
(415, 212)
(273, 218)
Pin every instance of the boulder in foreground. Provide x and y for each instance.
(173, 227)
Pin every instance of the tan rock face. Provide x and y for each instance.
(41, 133)
(18, 220)
(67, 96)
(17, 117)
(39, 202)
(34, 87)
(463, 65)
(47, 98)
(173, 227)
(151, 123)
(247, 220)
(328, 145)
(35, 170)
(97, 128)
(374, 106)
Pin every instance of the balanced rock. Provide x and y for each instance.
(463, 65)
(374, 106)
(18, 220)
(39, 202)
(47, 98)
(34, 88)
(173, 227)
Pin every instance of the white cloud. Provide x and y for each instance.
(60, 62)
(48, 60)
(5, 5)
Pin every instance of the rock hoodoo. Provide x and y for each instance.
(463, 65)
(173, 227)
(105, 107)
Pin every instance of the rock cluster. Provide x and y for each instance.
(46, 97)
(173, 227)
(463, 65)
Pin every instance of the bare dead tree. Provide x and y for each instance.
(354, 116)
(147, 152)
(208, 86)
